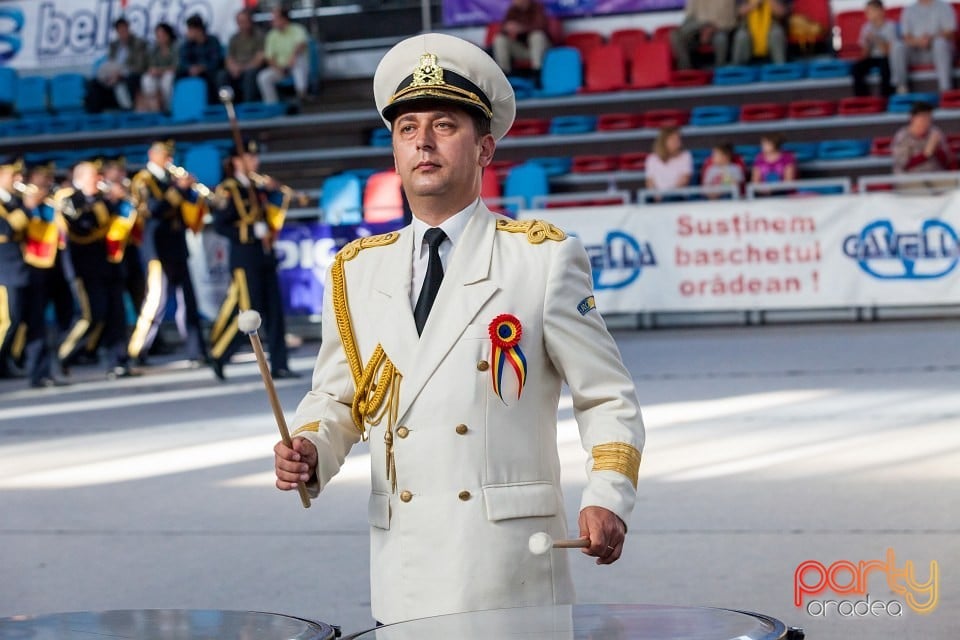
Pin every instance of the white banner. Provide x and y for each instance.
(773, 253)
(49, 35)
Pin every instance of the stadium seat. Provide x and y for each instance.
(214, 113)
(67, 93)
(619, 121)
(712, 115)
(953, 141)
(382, 197)
(67, 123)
(526, 181)
(8, 86)
(785, 72)
(134, 120)
(562, 72)
(99, 121)
(861, 105)
(689, 78)
(811, 109)
(735, 74)
(633, 161)
(849, 24)
(553, 165)
(817, 11)
(205, 162)
(650, 66)
(563, 125)
(950, 99)
(881, 146)
(802, 151)
(656, 118)
(842, 149)
(529, 127)
(259, 110)
(31, 95)
(762, 112)
(24, 127)
(595, 163)
(189, 100)
(825, 69)
(341, 199)
(381, 137)
(522, 87)
(747, 151)
(902, 103)
(662, 33)
(628, 39)
(502, 167)
(605, 69)
(490, 185)
(583, 41)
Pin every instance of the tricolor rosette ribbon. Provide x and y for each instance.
(505, 334)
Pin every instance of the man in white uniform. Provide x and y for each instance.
(446, 345)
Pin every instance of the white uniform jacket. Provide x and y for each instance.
(460, 477)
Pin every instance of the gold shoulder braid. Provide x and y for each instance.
(379, 380)
(617, 456)
(538, 231)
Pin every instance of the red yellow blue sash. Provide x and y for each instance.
(505, 333)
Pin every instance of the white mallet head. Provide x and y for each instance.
(248, 321)
(540, 543)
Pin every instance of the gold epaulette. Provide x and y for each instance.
(537, 231)
(350, 251)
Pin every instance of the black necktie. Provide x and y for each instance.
(431, 282)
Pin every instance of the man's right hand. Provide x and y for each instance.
(295, 465)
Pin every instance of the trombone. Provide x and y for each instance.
(263, 181)
(178, 173)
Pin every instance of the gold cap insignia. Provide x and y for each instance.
(428, 73)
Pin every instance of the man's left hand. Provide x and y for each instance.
(606, 532)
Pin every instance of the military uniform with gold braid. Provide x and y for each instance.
(251, 228)
(168, 212)
(13, 270)
(462, 419)
(96, 235)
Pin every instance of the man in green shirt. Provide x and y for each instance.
(245, 59)
(286, 55)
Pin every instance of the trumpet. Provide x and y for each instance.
(262, 180)
(178, 173)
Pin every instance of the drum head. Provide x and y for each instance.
(594, 622)
(164, 624)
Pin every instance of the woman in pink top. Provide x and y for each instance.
(773, 164)
(670, 165)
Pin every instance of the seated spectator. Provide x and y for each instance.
(201, 56)
(927, 29)
(877, 37)
(245, 58)
(524, 34)
(920, 146)
(723, 168)
(761, 33)
(287, 55)
(773, 164)
(669, 165)
(707, 22)
(156, 85)
(118, 77)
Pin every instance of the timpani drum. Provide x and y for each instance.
(593, 622)
(164, 624)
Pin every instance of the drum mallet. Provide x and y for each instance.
(249, 322)
(541, 542)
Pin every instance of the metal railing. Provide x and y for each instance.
(655, 196)
(820, 186)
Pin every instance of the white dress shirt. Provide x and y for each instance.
(453, 227)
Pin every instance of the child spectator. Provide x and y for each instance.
(877, 37)
(723, 168)
(773, 164)
(920, 147)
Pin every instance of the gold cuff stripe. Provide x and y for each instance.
(617, 456)
(537, 231)
(81, 326)
(5, 314)
(310, 426)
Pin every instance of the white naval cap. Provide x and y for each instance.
(437, 66)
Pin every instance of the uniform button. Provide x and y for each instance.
(464, 495)
(462, 429)
(403, 432)
(483, 365)
(406, 496)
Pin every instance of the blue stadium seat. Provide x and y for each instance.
(62, 124)
(259, 110)
(214, 113)
(747, 151)
(67, 93)
(134, 120)
(783, 72)
(522, 87)
(24, 127)
(381, 137)
(901, 103)
(554, 166)
(135, 152)
(99, 122)
(828, 68)
(711, 115)
(573, 124)
(562, 72)
(205, 162)
(8, 86)
(735, 74)
(189, 100)
(527, 181)
(802, 151)
(31, 95)
(843, 149)
(341, 199)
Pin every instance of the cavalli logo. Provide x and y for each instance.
(845, 578)
(619, 260)
(888, 254)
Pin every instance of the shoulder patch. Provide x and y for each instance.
(587, 305)
(537, 231)
(350, 251)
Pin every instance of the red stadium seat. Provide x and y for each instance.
(881, 146)
(861, 105)
(656, 118)
(619, 121)
(849, 24)
(689, 78)
(529, 127)
(953, 141)
(763, 111)
(811, 109)
(584, 41)
(382, 197)
(490, 187)
(651, 64)
(593, 163)
(635, 161)
(950, 99)
(662, 33)
(628, 39)
(605, 69)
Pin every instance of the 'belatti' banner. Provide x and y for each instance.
(777, 253)
(471, 12)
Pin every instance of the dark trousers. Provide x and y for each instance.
(244, 86)
(37, 359)
(101, 319)
(11, 301)
(164, 278)
(135, 278)
(862, 68)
